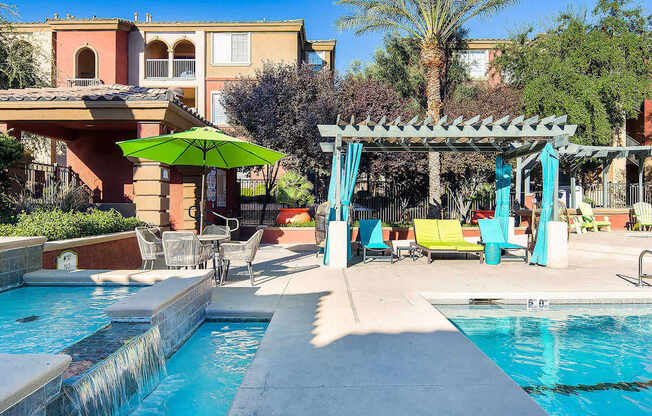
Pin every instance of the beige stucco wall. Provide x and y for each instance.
(43, 48)
(265, 46)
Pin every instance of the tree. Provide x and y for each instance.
(280, 107)
(465, 174)
(595, 70)
(433, 23)
(406, 172)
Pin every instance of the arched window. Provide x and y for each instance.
(156, 59)
(86, 63)
(184, 60)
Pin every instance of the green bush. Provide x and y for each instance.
(60, 225)
(294, 189)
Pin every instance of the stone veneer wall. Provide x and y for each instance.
(177, 321)
(17, 260)
(43, 402)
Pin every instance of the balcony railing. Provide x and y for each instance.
(159, 68)
(184, 68)
(156, 68)
(83, 82)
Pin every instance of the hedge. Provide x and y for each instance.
(60, 225)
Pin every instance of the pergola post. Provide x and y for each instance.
(555, 197)
(573, 185)
(641, 193)
(338, 177)
(519, 180)
(604, 184)
(526, 186)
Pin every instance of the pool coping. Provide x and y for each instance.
(521, 298)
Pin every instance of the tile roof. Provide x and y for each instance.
(114, 92)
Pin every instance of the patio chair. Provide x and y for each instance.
(589, 220)
(150, 245)
(492, 232)
(371, 240)
(643, 216)
(183, 249)
(321, 226)
(450, 232)
(241, 251)
(443, 236)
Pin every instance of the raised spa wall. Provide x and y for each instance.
(19, 255)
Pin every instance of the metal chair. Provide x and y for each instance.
(183, 249)
(150, 245)
(242, 251)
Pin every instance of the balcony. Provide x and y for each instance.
(182, 69)
(156, 68)
(83, 82)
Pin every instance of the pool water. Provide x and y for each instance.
(48, 319)
(205, 373)
(573, 360)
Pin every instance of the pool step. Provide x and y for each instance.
(106, 277)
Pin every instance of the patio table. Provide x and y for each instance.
(215, 239)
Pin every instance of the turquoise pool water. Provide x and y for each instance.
(573, 360)
(48, 319)
(205, 373)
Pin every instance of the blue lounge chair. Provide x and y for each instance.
(371, 239)
(492, 232)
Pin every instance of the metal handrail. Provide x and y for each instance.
(642, 275)
(226, 219)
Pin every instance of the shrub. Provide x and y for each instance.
(59, 225)
(294, 189)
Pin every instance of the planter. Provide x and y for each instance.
(480, 214)
(292, 216)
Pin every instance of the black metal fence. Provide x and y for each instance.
(371, 199)
(42, 180)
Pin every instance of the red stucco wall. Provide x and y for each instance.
(120, 254)
(101, 166)
(110, 46)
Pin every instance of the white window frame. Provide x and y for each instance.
(230, 62)
(467, 63)
(215, 94)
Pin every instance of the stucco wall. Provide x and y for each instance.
(110, 46)
(100, 164)
(265, 46)
(114, 253)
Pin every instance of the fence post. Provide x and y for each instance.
(641, 162)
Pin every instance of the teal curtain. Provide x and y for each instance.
(503, 186)
(353, 153)
(549, 164)
(348, 173)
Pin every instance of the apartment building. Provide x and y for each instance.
(195, 59)
(141, 79)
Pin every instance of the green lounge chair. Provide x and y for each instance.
(371, 239)
(492, 232)
(643, 215)
(589, 220)
(443, 236)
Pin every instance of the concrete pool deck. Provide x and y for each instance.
(366, 340)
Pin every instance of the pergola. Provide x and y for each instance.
(574, 155)
(511, 137)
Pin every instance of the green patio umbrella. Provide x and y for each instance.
(200, 146)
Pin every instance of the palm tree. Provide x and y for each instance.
(434, 23)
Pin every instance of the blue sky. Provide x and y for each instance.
(319, 15)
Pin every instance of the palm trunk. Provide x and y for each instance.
(432, 59)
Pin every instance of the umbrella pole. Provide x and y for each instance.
(203, 193)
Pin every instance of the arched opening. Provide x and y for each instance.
(184, 60)
(86, 63)
(156, 59)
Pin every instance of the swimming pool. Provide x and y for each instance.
(48, 319)
(571, 359)
(203, 376)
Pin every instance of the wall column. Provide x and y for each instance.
(191, 184)
(170, 63)
(152, 184)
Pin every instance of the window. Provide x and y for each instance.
(316, 60)
(219, 113)
(231, 48)
(475, 62)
